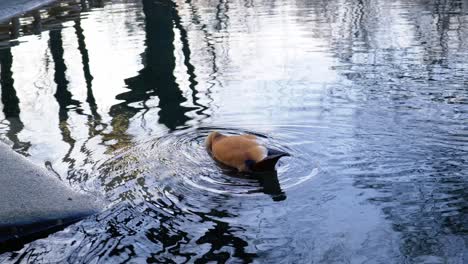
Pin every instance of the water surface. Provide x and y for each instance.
(369, 97)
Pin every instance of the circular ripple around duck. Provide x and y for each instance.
(178, 165)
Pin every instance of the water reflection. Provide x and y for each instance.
(271, 185)
(86, 70)
(420, 190)
(220, 236)
(157, 78)
(212, 81)
(10, 102)
(369, 97)
(188, 64)
(62, 94)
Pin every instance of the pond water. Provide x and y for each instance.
(370, 98)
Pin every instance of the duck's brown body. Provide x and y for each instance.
(243, 152)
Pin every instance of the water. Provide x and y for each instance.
(369, 97)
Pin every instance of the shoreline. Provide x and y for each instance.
(33, 201)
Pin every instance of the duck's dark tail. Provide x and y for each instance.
(269, 163)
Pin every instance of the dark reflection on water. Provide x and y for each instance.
(157, 78)
(369, 97)
(270, 183)
(10, 102)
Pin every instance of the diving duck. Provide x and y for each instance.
(242, 152)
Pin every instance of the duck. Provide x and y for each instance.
(242, 152)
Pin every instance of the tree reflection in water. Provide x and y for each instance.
(10, 102)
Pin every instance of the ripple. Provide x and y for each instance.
(178, 164)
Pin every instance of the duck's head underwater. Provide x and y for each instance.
(242, 152)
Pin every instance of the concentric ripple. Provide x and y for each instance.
(178, 165)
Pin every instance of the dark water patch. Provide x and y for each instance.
(14, 237)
